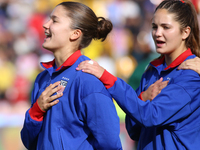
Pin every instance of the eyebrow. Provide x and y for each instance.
(163, 24)
(53, 17)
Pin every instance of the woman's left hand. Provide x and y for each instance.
(92, 67)
(193, 64)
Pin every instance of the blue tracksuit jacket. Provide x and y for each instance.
(84, 119)
(172, 120)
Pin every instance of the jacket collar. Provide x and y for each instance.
(176, 62)
(69, 62)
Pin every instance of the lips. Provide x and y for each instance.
(159, 43)
(48, 35)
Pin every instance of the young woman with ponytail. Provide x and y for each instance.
(71, 110)
(171, 121)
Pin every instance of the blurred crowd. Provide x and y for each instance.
(126, 52)
(22, 34)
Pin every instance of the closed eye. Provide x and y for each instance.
(154, 26)
(166, 27)
(54, 18)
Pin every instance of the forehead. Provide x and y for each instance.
(59, 11)
(162, 16)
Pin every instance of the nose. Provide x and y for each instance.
(158, 32)
(46, 24)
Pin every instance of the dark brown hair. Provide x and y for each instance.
(84, 18)
(185, 13)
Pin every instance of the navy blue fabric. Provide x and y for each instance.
(172, 120)
(84, 119)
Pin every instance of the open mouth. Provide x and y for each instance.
(48, 35)
(159, 43)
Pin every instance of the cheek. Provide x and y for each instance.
(175, 38)
(153, 35)
(61, 38)
(173, 34)
(63, 32)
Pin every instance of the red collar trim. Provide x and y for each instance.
(176, 62)
(158, 61)
(69, 62)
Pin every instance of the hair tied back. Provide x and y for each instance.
(182, 1)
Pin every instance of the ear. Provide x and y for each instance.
(75, 34)
(186, 32)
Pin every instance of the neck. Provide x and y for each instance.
(60, 58)
(169, 58)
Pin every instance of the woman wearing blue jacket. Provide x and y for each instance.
(172, 120)
(71, 110)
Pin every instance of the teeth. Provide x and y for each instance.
(47, 34)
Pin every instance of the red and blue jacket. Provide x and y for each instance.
(172, 120)
(84, 119)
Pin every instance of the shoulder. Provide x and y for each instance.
(191, 57)
(88, 80)
(149, 71)
(41, 75)
(188, 73)
(85, 78)
(83, 58)
(89, 84)
(187, 79)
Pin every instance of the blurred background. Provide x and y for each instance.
(125, 53)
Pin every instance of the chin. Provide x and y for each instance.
(45, 45)
(48, 48)
(160, 51)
